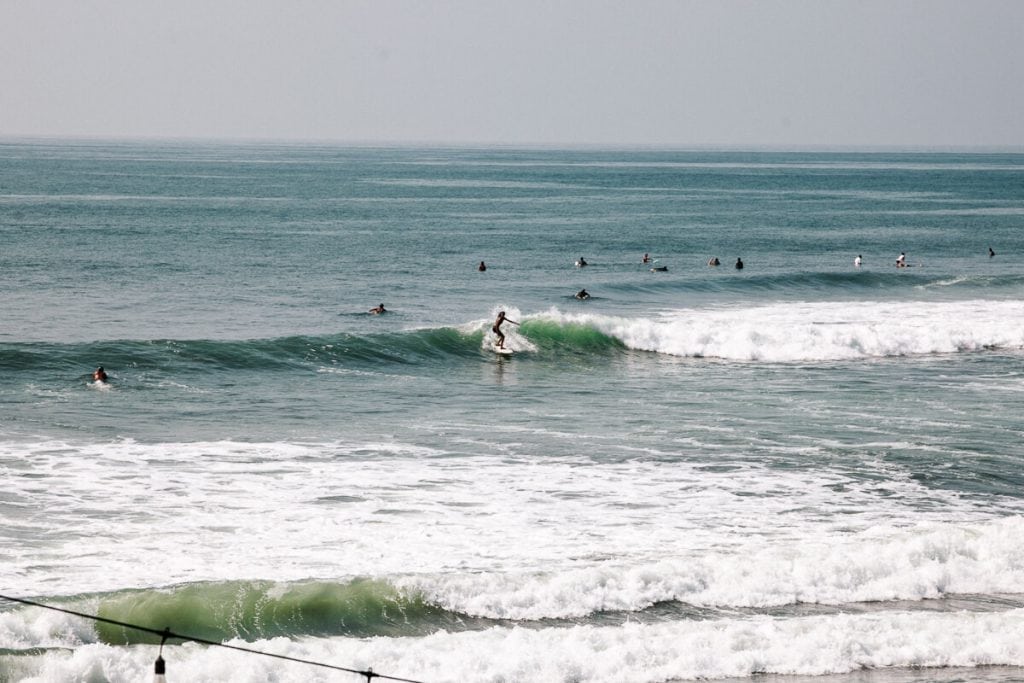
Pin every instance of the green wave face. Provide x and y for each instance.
(570, 336)
(253, 610)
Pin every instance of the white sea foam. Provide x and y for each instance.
(643, 653)
(818, 331)
(609, 537)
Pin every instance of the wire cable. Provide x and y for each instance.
(369, 674)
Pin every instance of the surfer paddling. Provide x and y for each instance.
(377, 310)
(496, 329)
(100, 375)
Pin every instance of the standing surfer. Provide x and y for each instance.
(496, 329)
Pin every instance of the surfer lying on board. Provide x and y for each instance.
(583, 294)
(377, 310)
(100, 375)
(497, 328)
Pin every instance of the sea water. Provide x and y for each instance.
(801, 470)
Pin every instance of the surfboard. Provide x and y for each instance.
(501, 352)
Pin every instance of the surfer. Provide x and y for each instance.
(482, 267)
(713, 261)
(739, 263)
(377, 310)
(100, 375)
(582, 262)
(991, 253)
(496, 329)
(646, 258)
(857, 261)
(582, 294)
(901, 260)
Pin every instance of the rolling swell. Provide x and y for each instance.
(283, 353)
(817, 282)
(410, 347)
(254, 610)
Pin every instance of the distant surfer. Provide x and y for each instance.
(901, 260)
(991, 253)
(713, 261)
(377, 310)
(581, 263)
(739, 263)
(857, 261)
(496, 329)
(100, 375)
(582, 295)
(482, 267)
(646, 258)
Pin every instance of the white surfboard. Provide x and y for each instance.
(501, 352)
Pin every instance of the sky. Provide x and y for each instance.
(680, 73)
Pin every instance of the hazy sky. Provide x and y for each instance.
(675, 73)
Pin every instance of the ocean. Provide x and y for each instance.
(802, 471)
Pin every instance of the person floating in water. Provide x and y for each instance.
(901, 260)
(482, 267)
(377, 310)
(739, 263)
(496, 329)
(857, 261)
(713, 261)
(646, 258)
(582, 262)
(100, 375)
(582, 294)
(991, 253)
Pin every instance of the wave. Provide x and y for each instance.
(248, 610)
(852, 282)
(889, 569)
(780, 332)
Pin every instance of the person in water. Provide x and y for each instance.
(582, 262)
(713, 261)
(739, 263)
(100, 375)
(583, 294)
(901, 260)
(496, 329)
(646, 258)
(377, 310)
(991, 253)
(857, 261)
(482, 267)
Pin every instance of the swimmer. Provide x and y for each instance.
(857, 261)
(901, 260)
(377, 310)
(646, 258)
(991, 253)
(100, 375)
(713, 261)
(496, 328)
(582, 262)
(739, 263)
(482, 267)
(582, 294)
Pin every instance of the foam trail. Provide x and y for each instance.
(805, 331)
(643, 653)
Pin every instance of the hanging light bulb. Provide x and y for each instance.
(158, 670)
(160, 666)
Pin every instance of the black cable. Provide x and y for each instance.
(167, 633)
